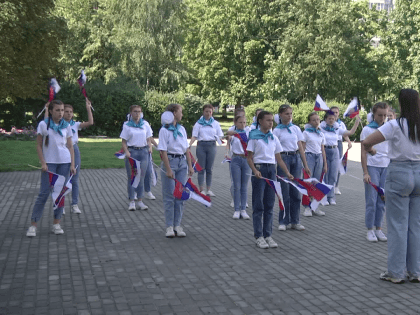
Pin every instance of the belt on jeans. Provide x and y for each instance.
(240, 155)
(330, 146)
(206, 141)
(264, 164)
(176, 155)
(138, 148)
(290, 152)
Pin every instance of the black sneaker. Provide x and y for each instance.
(386, 277)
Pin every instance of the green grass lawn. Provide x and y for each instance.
(225, 123)
(96, 153)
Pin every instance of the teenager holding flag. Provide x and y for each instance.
(263, 151)
(75, 127)
(313, 143)
(374, 170)
(402, 188)
(332, 132)
(136, 135)
(293, 155)
(176, 164)
(239, 168)
(55, 152)
(207, 131)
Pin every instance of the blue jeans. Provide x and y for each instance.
(45, 191)
(263, 198)
(173, 207)
(375, 206)
(340, 155)
(75, 179)
(315, 164)
(331, 175)
(402, 201)
(206, 153)
(291, 196)
(141, 155)
(240, 173)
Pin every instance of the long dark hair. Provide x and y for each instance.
(50, 108)
(410, 110)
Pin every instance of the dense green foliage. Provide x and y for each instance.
(237, 52)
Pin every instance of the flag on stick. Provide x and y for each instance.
(277, 190)
(353, 108)
(135, 172)
(195, 165)
(320, 104)
(190, 191)
(343, 164)
(120, 154)
(226, 159)
(54, 88)
(381, 191)
(82, 81)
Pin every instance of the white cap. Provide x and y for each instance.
(167, 118)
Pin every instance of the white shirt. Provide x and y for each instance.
(341, 125)
(76, 127)
(314, 141)
(264, 152)
(380, 159)
(56, 152)
(400, 147)
(136, 137)
(168, 143)
(236, 145)
(331, 137)
(207, 133)
(289, 141)
(233, 128)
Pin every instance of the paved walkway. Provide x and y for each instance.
(111, 261)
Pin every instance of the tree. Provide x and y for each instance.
(30, 37)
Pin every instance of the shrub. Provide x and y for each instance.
(25, 134)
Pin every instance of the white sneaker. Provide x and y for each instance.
(170, 231)
(210, 193)
(298, 227)
(132, 206)
(333, 203)
(237, 215)
(307, 212)
(232, 204)
(282, 227)
(261, 243)
(244, 215)
(371, 237)
(271, 242)
(31, 231)
(319, 212)
(325, 202)
(75, 209)
(247, 205)
(56, 229)
(179, 231)
(149, 195)
(203, 192)
(141, 205)
(337, 191)
(380, 236)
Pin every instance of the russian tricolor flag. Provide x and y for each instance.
(195, 165)
(226, 159)
(59, 201)
(57, 184)
(120, 154)
(320, 104)
(82, 80)
(135, 172)
(343, 164)
(277, 189)
(54, 88)
(353, 108)
(381, 191)
(190, 191)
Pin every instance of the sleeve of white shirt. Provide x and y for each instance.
(251, 145)
(69, 132)
(125, 134)
(196, 130)
(42, 129)
(163, 140)
(323, 139)
(341, 131)
(304, 136)
(299, 134)
(78, 123)
(278, 146)
(363, 133)
(387, 130)
(149, 131)
(219, 130)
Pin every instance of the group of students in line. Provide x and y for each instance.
(390, 158)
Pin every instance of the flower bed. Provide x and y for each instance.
(25, 134)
